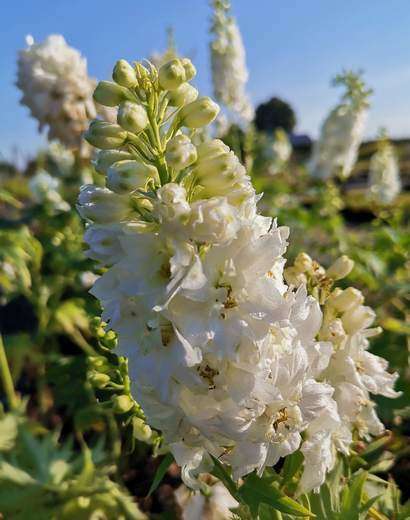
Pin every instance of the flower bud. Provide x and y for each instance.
(345, 300)
(127, 176)
(180, 152)
(105, 135)
(340, 268)
(189, 67)
(109, 94)
(124, 74)
(132, 117)
(358, 318)
(199, 113)
(172, 74)
(99, 363)
(105, 158)
(333, 331)
(122, 403)
(303, 263)
(183, 95)
(141, 430)
(294, 277)
(102, 205)
(98, 380)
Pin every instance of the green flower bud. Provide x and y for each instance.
(105, 158)
(122, 403)
(127, 176)
(105, 135)
(199, 113)
(340, 268)
(172, 74)
(189, 67)
(141, 430)
(109, 94)
(180, 152)
(124, 74)
(183, 95)
(99, 363)
(98, 380)
(132, 117)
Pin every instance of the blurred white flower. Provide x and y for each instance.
(335, 152)
(44, 189)
(56, 88)
(384, 174)
(228, 62)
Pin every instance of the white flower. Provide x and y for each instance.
(384, 174)
(228, 62)
(213, 221)
(56, 88)
(215, 506)
(180, 152)
(335, 152)
(44, 189)
(104, 243)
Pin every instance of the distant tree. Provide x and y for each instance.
(274, 114)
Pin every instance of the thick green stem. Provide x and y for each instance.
(6, 378)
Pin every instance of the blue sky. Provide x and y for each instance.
(293, 49)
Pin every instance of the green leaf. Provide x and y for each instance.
(256, 491)
(219, 471)
(352, 496)
(8, 432)
(292, 464)
(160, 473)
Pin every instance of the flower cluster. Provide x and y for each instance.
(56, 88)
(279, 152)
(384, 173)
(45, 190)
(223, 355)
(228, 62)
(347, 365)
(335, 152)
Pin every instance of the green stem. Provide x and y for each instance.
(6, 378)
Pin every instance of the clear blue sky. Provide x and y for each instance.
(293, 49)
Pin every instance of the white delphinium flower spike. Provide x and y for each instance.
(335, 152)
(350, 369)
(56, 88)
(222, 355)
(228, 62)
(384, 174)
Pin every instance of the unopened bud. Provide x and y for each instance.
(141, 430)
(109, 94)
(132, 117)
(189, 67)
(127, 176)
(124, 74)
(99, 363)
(122, 403)
(98, 380)
(333, 331)
(172, 74)
(102, 205)
(105, 158)
(180, 152)
(199, 113)
(105, 135)
(183, 95)
(303, 263)
(346, 299)
(358, 318)
(340, 268)
(294, 277)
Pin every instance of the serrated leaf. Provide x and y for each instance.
(160, 473)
